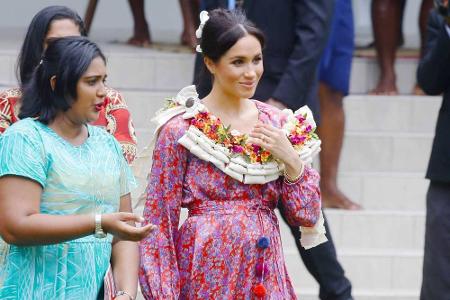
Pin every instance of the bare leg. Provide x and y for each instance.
(89, 15)
(141, 36)
(190, 12)
(331, 132)
(386, 15)
(425, 8)
(401, 39)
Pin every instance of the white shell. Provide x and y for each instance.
(233, 174)
(250, 179)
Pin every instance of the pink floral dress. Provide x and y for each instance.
(230, 245)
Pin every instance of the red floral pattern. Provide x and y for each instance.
(214, 254)
(114, 117)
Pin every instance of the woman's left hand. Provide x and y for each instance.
(276, 142)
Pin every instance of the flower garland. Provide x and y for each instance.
(299, 129)
(233, 140)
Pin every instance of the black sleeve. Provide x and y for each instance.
(434, 67)
(312, 26)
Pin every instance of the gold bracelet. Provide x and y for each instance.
(295, 180)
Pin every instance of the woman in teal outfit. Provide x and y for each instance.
(65, 185)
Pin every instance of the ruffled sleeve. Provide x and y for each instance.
(158, 273)
(119, 123)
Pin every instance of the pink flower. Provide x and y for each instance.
(256, 148)
(237, 149)
(297, 139)
(308, 128)
(301, 119)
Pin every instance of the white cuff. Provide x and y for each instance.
(448, 30)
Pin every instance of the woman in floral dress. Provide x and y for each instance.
(221, 157)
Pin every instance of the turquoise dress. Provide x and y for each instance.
(85, 179)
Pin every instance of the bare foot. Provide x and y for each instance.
(334, 198)
(400, 43)
(139, 41)
(417, 90)
(386, 86)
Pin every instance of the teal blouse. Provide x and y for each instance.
(85, 179)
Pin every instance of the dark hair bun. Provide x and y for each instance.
(223, 30)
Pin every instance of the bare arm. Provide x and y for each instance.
(125, 257)
(23, 224)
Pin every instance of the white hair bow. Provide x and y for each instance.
(204, 16)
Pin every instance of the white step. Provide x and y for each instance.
(408, 294)
(385, 190)
(371, 230)
(364, 113)
(150, 70)
(312, 294)
(128, 68)
(376, 271)
(147, 69)
(365, 72)
(385, 152)
(366, 152)
(408, 114)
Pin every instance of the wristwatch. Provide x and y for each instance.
(99, 233)
(121, 293)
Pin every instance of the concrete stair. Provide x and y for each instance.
(386, 150)
(365, 73)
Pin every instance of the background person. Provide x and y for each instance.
(389, 14)
(433, 77)
(334, 83)
(60, 21)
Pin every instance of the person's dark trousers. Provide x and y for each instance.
(436, 260)
(322, 263)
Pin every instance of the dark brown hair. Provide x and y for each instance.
(223, 30)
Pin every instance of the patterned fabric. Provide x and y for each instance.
(85, 179)
(114, 117)
(214, 254)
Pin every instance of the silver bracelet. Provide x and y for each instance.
(121, 293)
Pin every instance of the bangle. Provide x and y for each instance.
(121, 293)
(289, 180)
(99, 233)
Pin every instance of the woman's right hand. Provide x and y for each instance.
(118, 224)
